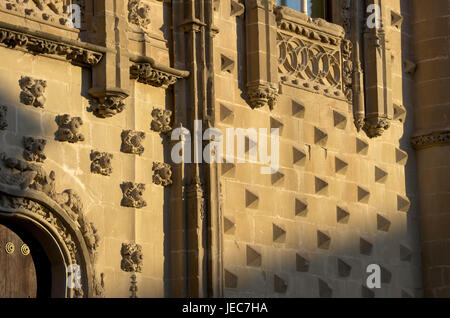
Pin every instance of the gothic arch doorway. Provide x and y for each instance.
(59, 244)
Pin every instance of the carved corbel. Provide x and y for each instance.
(107, 102)
(378, 84)
(262, 54)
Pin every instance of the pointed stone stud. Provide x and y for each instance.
(226, 115)
(340, 120)
(383, 224)
(320, 137)
(229, 225)
(343, 216)
(298, 110)
(231, 280)
(226, 63)
(302, 263)
(403, 203)
(380, 175)
(251, 200)
(340, 166)
(299, 156)
(279, 234)
(279, 284)
(320, 185)
(323, 240)
(253, 257)
(344, 269)
(301, 208)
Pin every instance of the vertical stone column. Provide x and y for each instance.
(111, 76)
(262, 54)
(378, 89)
(432, 139)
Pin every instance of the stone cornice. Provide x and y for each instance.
(38, 42)
(315, 29)
(148, 71)
(433, 139)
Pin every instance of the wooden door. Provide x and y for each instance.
(17, 269)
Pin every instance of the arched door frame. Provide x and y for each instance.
(60, 237)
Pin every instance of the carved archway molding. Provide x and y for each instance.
(56, 220)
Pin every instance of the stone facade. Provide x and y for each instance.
(362, 115)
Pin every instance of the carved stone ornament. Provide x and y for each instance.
(261, 94)
(139, 13)
(147, 74)
(101, 163)
(162, 174)
(33, 91)
(434, 139)
(376, 126)
(52, 11)
(34, 149)
(3, 119)
(107, 103)
(313, 54)
(132, 142)
(38, 44)
(132, 195)
(69, 128)
(31, 177)
(161, 120)
(132, 257)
